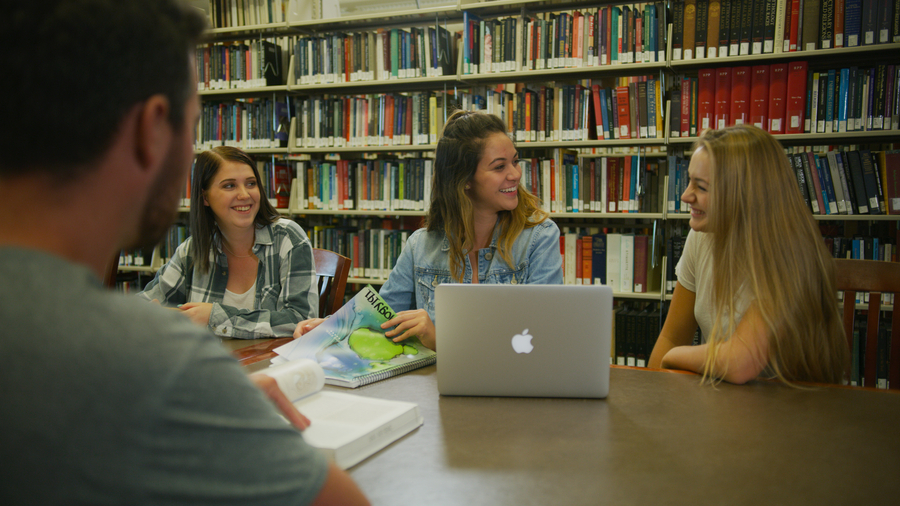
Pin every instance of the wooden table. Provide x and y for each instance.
(659, 438)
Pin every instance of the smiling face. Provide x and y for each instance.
(495, 184)
(233, 195)
(697, 192)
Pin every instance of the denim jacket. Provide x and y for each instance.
(424, 264)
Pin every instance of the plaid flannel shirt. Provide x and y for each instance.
(285, 284)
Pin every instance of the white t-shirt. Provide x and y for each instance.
(246, 300)
(695, 273)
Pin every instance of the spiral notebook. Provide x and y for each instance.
(351, 346)
(524, 340)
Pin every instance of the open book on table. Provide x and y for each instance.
(347, 428)
(351, 346)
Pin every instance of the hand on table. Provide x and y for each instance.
(414, 322)
(198, 312)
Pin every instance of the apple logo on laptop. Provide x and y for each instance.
(521, 343)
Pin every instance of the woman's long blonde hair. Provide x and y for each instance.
(767, 244)
(456, 159)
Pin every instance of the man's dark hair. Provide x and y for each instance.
(73, 68)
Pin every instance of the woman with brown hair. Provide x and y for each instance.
(244, 272)
(755, 274)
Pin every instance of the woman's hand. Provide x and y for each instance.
(307, 325)
(412, 323)
(198, 312)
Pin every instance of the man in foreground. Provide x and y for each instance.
(107, 399)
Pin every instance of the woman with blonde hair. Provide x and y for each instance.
(482, 227)
(755, 274)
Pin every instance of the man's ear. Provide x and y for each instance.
(154, 132)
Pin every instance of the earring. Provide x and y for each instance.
(468, 187)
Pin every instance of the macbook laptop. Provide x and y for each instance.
(523, 340)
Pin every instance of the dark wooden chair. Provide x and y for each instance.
(332, 271)
(876, 278)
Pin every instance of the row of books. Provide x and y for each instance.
(626, 262)
(382, 119)
(566, 182)
(235, 13)
(369, 185)
(240, 64)
(246, 123)
(722, 28)
(636, 328)
(848, 182)
(858, 352)
(372, 248)
(788, 98)
(591, 37)
(376, 55)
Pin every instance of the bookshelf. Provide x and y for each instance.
(461, 83)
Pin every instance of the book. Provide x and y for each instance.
(759, 96)
(778, 73)
(740, 95)
(346, 428)
(723, 98)
(795, 108)
(706, 86)
(351, 347)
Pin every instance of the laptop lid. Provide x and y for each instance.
(523, 340)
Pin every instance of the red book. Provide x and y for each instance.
(706, 99)
(795, 105)
(686, 107)
(553, 184)
(740, 96)
(623, 111)
(809, 162)
(579, 267)
(612, 195)
(625, 189)
(795, 25)
(892, 191)
(587, 264)
(838, 23)
(282, 185)
(759, 96)
(641, 247)
(598, 116)
(777, 97)
(723, 97)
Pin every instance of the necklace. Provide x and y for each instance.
(233, 253)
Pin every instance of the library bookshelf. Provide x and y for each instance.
(521, 70)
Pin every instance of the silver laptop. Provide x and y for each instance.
(523, 340)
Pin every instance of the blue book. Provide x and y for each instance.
(653, 39)
(825, 183)
(614, 36)
(576, 191)
(852, 22)
(598, 259)
(604, 112)
(829, 102)
(843, 97)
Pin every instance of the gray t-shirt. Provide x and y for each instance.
(110, 399)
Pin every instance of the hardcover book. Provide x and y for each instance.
(351, 346)
(346, 428)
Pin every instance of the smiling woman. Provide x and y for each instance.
(482, 227)
(244, 272)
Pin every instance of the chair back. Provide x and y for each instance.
(877, 278)
(332, 270)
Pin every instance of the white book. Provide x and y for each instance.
(613, 262)
(346, 428)
(627, 263)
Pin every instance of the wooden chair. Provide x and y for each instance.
(332, 271)
(876, 278)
